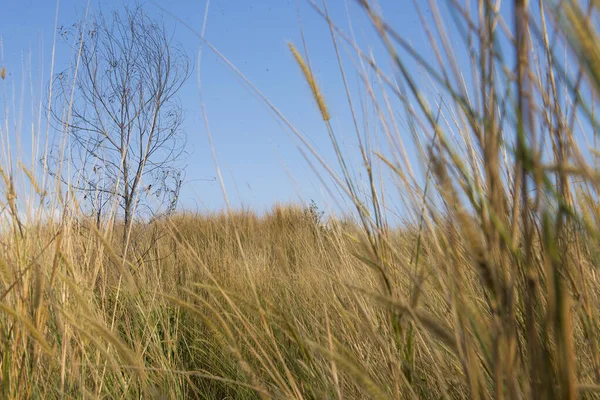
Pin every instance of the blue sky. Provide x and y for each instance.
(261, 164)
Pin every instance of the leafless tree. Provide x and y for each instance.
(119, 108)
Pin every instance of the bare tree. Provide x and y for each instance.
(119, 107)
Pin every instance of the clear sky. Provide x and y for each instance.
(260, 163)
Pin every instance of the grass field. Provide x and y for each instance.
(489, 290)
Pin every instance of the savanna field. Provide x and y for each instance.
(458, 258)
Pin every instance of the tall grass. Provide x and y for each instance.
(488, 290)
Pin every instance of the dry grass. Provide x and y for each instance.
(228, 302)
(489, 289)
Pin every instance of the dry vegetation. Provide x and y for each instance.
(489, 290)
